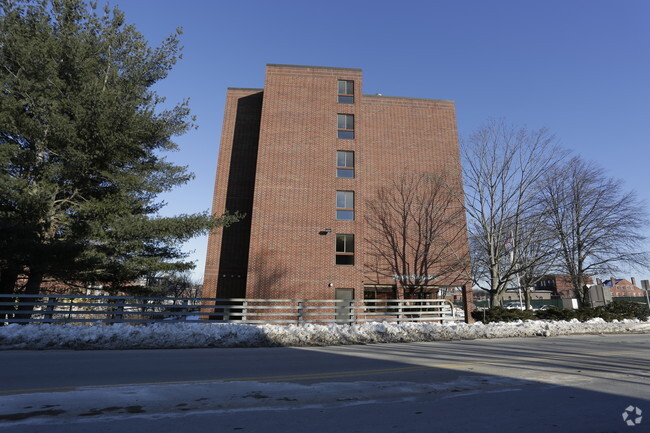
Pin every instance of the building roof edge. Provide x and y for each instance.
(408, 97)
(313, 67)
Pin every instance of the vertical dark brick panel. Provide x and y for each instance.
(228, 248)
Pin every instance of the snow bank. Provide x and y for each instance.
(195, 335)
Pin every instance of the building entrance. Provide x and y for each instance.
(344, 298)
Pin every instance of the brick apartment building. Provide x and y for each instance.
(622, 288)
(300, 157)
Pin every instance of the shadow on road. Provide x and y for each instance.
(564, 384)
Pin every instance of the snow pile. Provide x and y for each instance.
(194, 335)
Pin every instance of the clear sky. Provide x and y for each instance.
(580, 68)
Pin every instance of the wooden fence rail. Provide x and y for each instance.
(130, 309)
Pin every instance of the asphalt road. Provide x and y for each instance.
(561, 384)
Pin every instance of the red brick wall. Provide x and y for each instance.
(625, 288)
(561, 285)
(295, 177)
(405, 135)
(296, 186)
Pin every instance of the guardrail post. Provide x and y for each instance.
(244, 311)
(24, 312)
(185, 310)
(400, 311)
(118, 316)
(49, 309)
(301, 317)
(226, 313)
(350, 312)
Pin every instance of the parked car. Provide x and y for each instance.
(514, 305)
(543, 307)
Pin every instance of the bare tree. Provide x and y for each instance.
(596, 222)
(538, 258)
(502, 169)
(417, 234)
(172, 284)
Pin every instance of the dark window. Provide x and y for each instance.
(344, 164)
(346, 125)
(379, 292)
(344, 205)
(346, 91)
(344, 249)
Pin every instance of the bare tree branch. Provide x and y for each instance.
(503, 166)
(417, 234)
(596, 223)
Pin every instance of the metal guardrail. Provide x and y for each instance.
(20, 308)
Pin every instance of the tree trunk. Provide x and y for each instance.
(527, 298)
(8, 278)
(494, 299)
(33, 287)
(586, 302)
(581, 291)
(34, 282)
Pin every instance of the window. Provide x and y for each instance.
(346, 92)
(346, 125)
(344, 249)
(344, 164)
(345, 205)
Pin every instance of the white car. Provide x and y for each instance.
(514, 306)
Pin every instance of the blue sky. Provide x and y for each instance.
(580, 68)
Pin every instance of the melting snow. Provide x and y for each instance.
(194, 335)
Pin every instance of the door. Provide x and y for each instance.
(344, 304)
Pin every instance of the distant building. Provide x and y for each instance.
(559, 285)
(300, 157)
(622, 288)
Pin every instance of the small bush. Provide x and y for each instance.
(614, 311)
(500, 314)
(587, 313)
(628, 310)
(554, 313)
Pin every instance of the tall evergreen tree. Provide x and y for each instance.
(82, 138)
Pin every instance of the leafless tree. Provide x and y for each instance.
(173, 284)
(539, 258)
(597, 223)
(503, 166)
(417, 234)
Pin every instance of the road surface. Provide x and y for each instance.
(560, 384)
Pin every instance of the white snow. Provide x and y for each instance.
(193, 335)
